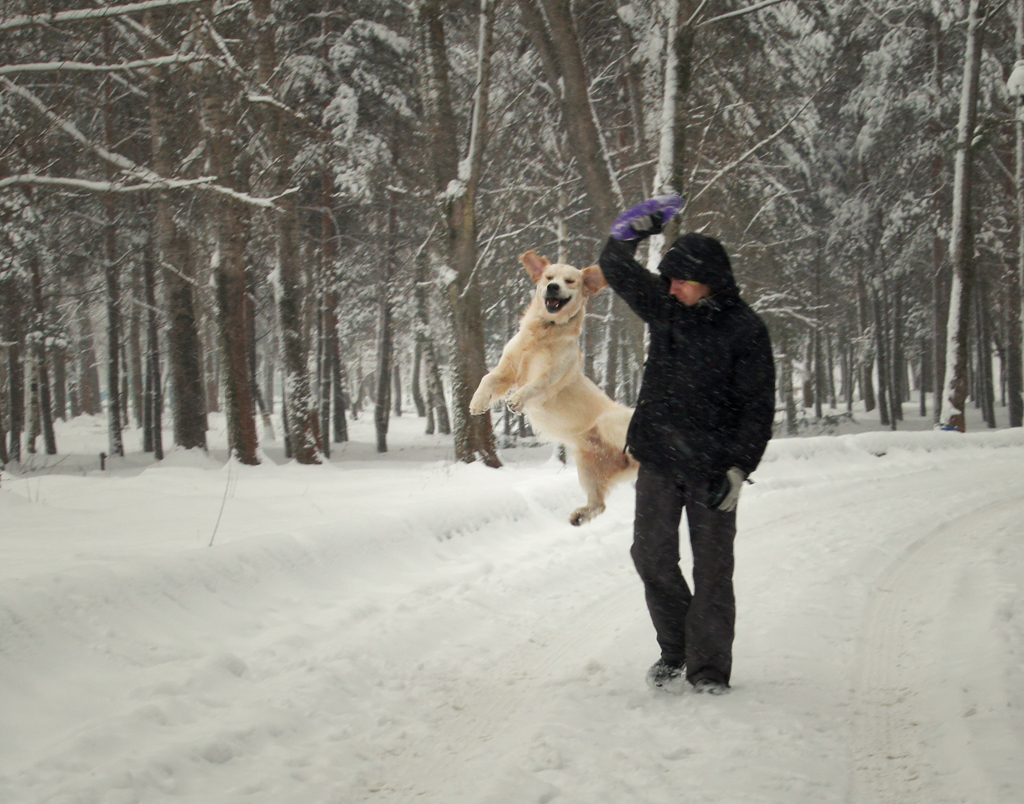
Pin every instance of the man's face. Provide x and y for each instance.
(688, 292)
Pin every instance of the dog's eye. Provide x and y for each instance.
(570, 281)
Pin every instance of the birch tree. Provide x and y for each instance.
(961, 244)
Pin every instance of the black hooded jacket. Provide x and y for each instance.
(707, 399)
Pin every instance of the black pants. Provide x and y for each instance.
(696, 628)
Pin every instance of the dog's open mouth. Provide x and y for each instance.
(554, 304)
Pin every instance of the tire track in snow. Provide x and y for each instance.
(902, 735)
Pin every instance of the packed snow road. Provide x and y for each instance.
(437, 633)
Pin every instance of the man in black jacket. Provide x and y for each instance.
(702, 422)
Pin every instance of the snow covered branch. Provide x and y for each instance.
(741, 11)
(82, 67)
(134, 171)
(756, 147)
(101, 186)
(77, 15)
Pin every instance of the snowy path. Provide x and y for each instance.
(439, 634)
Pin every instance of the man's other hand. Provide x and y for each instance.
(734, 478)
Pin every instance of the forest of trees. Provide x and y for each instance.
(315, 208)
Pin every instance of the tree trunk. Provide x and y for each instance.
(578, 117)
(437, 410)
(925, 382)
(670, 170)
(42, 370)
(60, 380)
(611, 355)
(808, 383)
(5, 457)
(1015, 276)
(474, 438)
(382, 403)
(884, 397)
(830, 369)
(154, 402)
(340, 425)
(417, 380)
(112, 287)
(788, 396)
(864, 351)
(987, 389)
(88, 371)
(112, 296)
(819, 374)
(229, 222)
(33, 429)
(184, 345)
(282, 143)
(13, 334)
(961, 245)
(135, 356)
(396, 386)
(893, 360)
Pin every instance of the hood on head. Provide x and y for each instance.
(696, 257)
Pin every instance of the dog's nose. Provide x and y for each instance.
(553, 289)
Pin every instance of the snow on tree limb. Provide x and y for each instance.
(741, 11)
(100, 186)
(77, 15)
(83, 67)
(758, 146)
(131, 169)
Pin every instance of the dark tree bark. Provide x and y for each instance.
(153, 394)
(282, 143)
(474, 438)
(864, 353)
(184, 345)
(12, 327)
(112, 298)
(436, 408)
(819, 374)
(230, 222)
(135, 356)
(59, 354)
(340, 398)
(382, 401)
(111, 276)
(42, 370)
(417, 380)
(5, 457)
(396, 386)
(88, 365)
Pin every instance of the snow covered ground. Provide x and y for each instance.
(404, 629)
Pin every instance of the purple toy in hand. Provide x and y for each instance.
(647, 218)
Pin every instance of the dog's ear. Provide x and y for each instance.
(534, 265)
(593, 279)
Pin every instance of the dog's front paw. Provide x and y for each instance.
(480, 402)
(515, 401)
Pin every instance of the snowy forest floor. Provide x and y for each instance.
(399, 628)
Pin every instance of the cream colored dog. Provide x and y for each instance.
(541, 374)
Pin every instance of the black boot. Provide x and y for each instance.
(667, 676)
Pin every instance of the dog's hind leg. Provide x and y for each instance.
(599, 469)
(594, 469)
